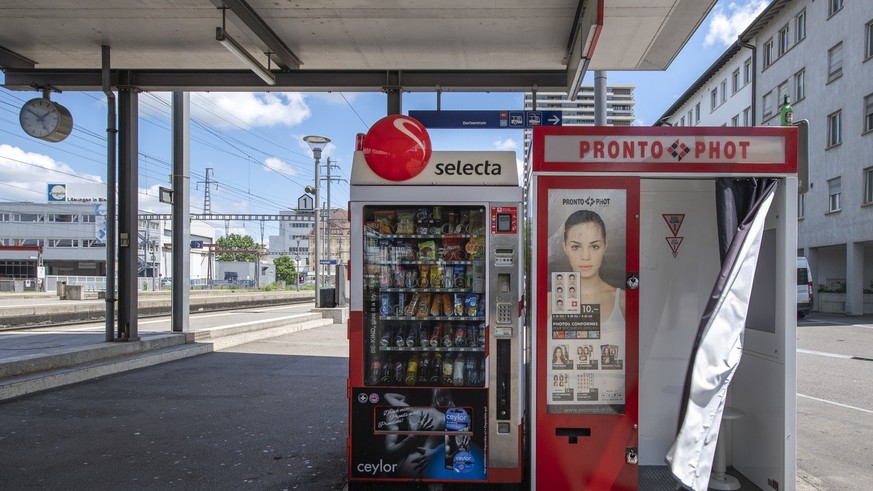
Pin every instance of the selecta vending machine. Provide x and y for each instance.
(436, 373)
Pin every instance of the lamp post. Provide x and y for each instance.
(317, 144)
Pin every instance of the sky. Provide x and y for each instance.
(253, 142)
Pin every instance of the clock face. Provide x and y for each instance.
(44, 119)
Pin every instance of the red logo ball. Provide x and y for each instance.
(397, 147)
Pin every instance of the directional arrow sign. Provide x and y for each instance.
(487, 119)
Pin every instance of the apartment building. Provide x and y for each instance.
(820, 54)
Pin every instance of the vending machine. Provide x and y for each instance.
(436, 375)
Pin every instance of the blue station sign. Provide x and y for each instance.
(487, 120)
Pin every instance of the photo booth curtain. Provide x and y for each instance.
(741, 208)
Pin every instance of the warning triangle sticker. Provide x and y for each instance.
(674, 221)
(674, 243)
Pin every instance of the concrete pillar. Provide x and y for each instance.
(181, 210)
(854, 278)
(128, 209)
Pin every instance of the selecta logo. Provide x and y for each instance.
(397, 148)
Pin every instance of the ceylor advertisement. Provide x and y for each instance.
(419, 433)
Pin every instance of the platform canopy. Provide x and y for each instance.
(413, 45)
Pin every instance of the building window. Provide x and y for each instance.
(723, 91)
(868, 185)
(834, 6)
(682, 121)
(697, 112)
(781, 92)
(834, 195)
(747, 71)
(735, 81)
(800, 26)
(735, 121)
(713, 98)
(801, 205)
(868, 113)
(768, 104)
(835, 128)
(690, 118)
(868, 38)
(747, 113)
(768, 53)
(835, 62)
(799, 85)
(784, 40)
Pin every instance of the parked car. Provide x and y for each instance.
(804, 288)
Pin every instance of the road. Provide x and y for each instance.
(834, 403)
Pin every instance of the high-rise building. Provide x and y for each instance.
(619, 108)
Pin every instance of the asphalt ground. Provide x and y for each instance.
(266, 415)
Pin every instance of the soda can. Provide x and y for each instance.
(436, 335)
(412, 337)
(424, 337)
(387, 337)
(400, 337)
(473, 336)
(448, 335)
(460, 336)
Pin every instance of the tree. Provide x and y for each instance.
(237, 242)
(285, 269)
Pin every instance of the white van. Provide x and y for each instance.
(804, 288)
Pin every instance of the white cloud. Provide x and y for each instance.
(507, 144)
(26, 174)
(243, 110)
(728, 22)
(639, 122)
(280, 166)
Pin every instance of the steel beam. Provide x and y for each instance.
(128, 206)
(301, 80)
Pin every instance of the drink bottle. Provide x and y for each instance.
(423, 369)
(387, 372)
(375, 371)
(399, 372)
(412, 337)
(458, 375)
(436, 369)
(786, 112)
(471, 376)
(448, 369)
(412, 370)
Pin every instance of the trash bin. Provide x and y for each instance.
(327, 298)
(62, 289)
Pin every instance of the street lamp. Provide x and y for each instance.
(317, 144)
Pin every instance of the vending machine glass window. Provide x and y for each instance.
(424, 295)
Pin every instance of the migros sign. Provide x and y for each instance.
(397, 151)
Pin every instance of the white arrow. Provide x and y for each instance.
(554, 119)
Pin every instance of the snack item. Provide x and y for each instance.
(436, 275)
(423, 275)
(427, 250)
(458, 304)
(405, 222)
(436, 306)
(471, 304)
(447, 305)
(423, 305)
(385, 219)
(412, 306)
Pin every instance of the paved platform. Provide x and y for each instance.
(37, 359)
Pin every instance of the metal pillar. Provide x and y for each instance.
(599, 98)
(317, 225)
(111, 177)
(128, 183)
(181, 210)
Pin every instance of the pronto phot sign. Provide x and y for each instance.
(643, 149)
